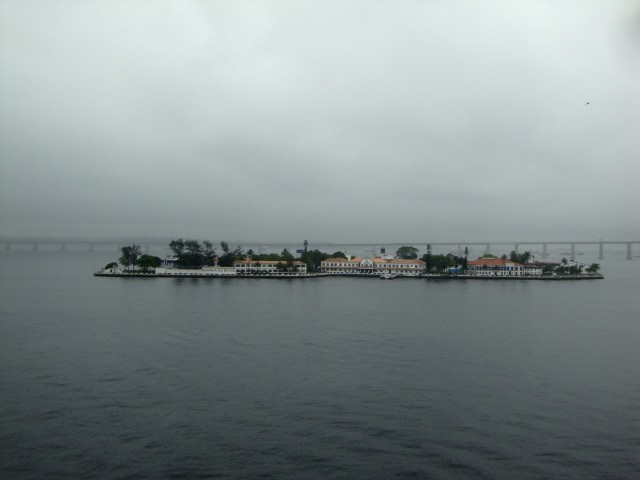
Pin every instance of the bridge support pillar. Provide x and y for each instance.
(7, 246)
(545, 252)
(91, 247)
(488, 250)
(516, 246)
(573, 251)
(35, 246)
(629, 251)
(63, 247)
(601, 251)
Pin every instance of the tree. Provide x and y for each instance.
(229, 257)
(226, 260)
(190, 260)
(209, 253)
(406, 252)
(520, 257)
(177, 247)
(547, 269)
(130, 254)
(193, 247)
(149, 262)
(593, 268)
(459, 262)
(438, 263)
(190, 254)
(339, 254)
(266, 256)
(313, 259)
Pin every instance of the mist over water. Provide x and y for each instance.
(315, 378)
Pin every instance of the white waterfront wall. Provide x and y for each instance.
(206, 271)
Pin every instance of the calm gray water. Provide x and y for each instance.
(321, 378)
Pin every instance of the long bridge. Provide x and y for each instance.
(91, 245)
(460, 246)
(544, 245)
(69, 244)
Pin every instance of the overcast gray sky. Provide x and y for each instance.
(346, 121)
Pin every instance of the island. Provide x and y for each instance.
(195, 259)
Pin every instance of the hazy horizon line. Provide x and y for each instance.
(163, 239)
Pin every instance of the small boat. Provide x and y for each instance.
(387, 276)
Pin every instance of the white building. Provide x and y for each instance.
(203, 272)
(269, 267)
(372, 266)
(499, 267)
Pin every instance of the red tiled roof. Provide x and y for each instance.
(399, 261)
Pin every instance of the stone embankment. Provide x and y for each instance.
(596, 276)
(199, 274)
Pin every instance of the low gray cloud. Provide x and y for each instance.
(340, 121)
